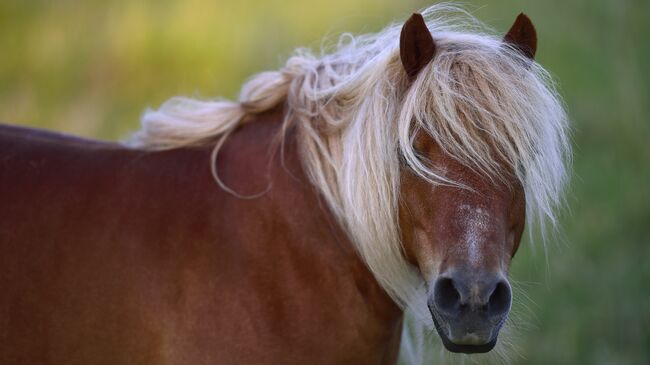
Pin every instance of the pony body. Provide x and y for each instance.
(272, 229)
(116, 256)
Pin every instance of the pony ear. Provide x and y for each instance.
(522, 36)
(416, 46)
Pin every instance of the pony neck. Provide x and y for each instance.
(266, 158)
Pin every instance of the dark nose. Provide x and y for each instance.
(457, 294)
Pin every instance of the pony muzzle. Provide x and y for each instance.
(469, 310)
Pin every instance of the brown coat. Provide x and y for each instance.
(116, 256)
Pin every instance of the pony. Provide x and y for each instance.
(392, 173)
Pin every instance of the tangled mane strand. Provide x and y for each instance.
(356, 114)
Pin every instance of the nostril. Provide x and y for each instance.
(446, 296)
(499, 302)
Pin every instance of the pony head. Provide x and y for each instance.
(462, 230)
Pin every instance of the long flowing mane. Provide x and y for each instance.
(356, 114)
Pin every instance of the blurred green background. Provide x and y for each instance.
(92, 67)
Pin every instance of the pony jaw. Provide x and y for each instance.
(465, 348)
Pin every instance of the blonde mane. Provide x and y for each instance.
(356, 115)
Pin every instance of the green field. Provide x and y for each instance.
(92, 67)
